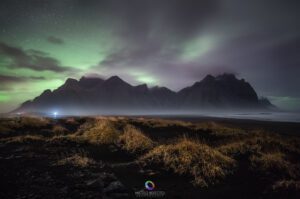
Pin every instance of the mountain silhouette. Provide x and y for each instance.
(115, 96)
(224, 91)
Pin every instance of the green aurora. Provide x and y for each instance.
(42, 44)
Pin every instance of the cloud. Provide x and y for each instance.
(94, 75)
(35, 78)
(7, 81)
(153, 31)
(35, 60)
(16, 79)
(55, 40)
(286, 52)
(37, 52)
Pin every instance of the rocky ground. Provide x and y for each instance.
(30, 170)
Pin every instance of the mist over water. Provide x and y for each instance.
(261, 115)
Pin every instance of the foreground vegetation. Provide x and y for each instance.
(208, 155)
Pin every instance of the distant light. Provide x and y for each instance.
(55, 114)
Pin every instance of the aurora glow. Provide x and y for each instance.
(166, 43)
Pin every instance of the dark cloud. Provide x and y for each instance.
(35, 61)
(15, 79)
(7, 81)
(94, 75)
(35, 78)
(286, 53)
(152, 31)
(55, 40)
(271, 63)
(283, 68)
(37, 52)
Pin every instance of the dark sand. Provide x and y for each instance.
(27, 169)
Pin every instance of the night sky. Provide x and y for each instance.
(169, 43)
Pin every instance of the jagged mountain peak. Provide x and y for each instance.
(208, 78)
(46, 92)
(90, 82)
(161, 89)
(85, 78)
(116, 81)
(70, 83)
(142, 87)
(226, 77)
(114, 78)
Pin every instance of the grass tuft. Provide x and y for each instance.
(77, 160)
(272, 165)
(102, 132)
(133, 140)
(205, 164)
(24, 139)
(59, 130)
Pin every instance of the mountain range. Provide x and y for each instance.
(91, 95)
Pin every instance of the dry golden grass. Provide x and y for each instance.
(59, 139)
(260, 142)
(11, 125)
(205, 164)
(286, 185)
(274, 165)
(32, 122)
(221, 131)
(90, 123)
(71, 121)
(160, 123)
(240, 148)
(100, 132)
(24, 139)
(59, 130)
(133, 140)
(78, 160)
(270, 157)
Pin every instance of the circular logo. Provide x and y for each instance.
(149, 185)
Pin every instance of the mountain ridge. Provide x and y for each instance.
(114, 95)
